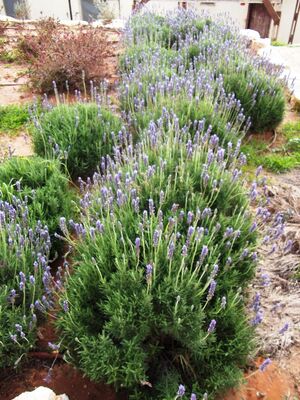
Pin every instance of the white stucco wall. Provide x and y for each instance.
(236, 10)
(54, 8)
(287, 14)
(1, 7)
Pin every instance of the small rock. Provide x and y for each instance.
(250, 34)
(62, 397)
(41, 393)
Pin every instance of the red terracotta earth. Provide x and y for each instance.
(64, 379)
(272, 384)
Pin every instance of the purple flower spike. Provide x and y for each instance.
(258, 318)
(211, 290)
(65, 306)
(181, 391)
(212, 326)
(171, 250)
(193, 396)
(149, 269)
(204, 252)
(265, 364)
(284, 329)
(137, 245)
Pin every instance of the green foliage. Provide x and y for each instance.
(278, 43)
(275, 161)
(291, 130)
(141, 310)
(262, 98)
(41, 184)
(13, 118)
(11, 353)
(9, 56)
(78, 134)
(281, 163)
(278, 160)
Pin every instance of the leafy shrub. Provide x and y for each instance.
(262, 98)
(60, 54)
(24, 277)
(143, 299)
(13, 117)
(149, 28)
(41, 185)
(79, 134)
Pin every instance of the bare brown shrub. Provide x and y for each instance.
(60, 53)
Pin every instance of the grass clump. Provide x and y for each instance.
(13, 118)
(78, 134)
(291, 130)
(277, 159)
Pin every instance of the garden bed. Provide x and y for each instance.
(85, 237)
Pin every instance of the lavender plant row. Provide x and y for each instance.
(166, 244)
(154, 65)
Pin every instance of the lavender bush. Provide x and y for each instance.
(78, 135)
(42, 186)
(165, 244)
(25, 280)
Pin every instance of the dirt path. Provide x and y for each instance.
(280, 297)
(12, 84)
(20, 145)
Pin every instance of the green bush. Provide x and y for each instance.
(145, 290)
(41, 184)
(262, 97)
(78, 134)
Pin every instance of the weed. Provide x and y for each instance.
(13, 118)
(291, 130)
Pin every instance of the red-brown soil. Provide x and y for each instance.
(272, 384)
(64, 379)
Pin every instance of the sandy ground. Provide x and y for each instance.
(12, 84)
(280, 298)
(17, 145)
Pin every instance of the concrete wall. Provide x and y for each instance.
(236, 10)
(55, 8)
(47, 8)
(287, 14)
(233, 8)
